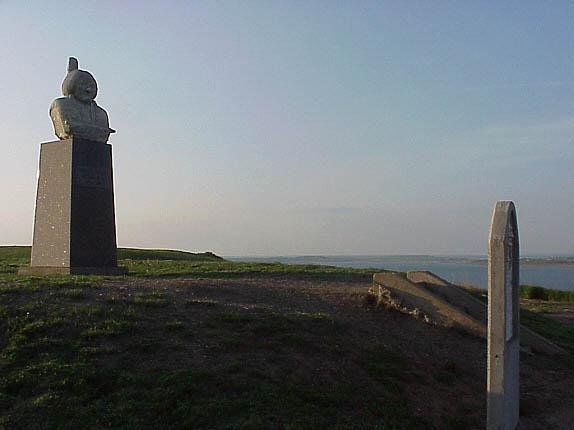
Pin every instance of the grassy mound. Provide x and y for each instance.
(165, 254)
(22, 253)
(76, 353)
(169, 263)
(195, 341)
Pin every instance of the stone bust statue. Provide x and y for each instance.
(77, 114)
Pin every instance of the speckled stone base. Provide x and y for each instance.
(74, 224)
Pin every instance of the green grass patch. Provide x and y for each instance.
(530, 292)
(107, 328)
(317, 316)
(12, 257)
(165, 254)
(87, 312)
(532, 312)
(153, 299)
(201, 302)
(386, 366)
(37, 283)
(15, 253)
(535, 292)
(448, 373)
(553, 330)
(74, 356)
(10, 289)
(174, 325)
(35, 327)
(229, 269)
(21, 254)
(72, 293)
(539, 306)
(234, 318)
(91, 351)
(69, 364)
(264, 330)
(169, 263)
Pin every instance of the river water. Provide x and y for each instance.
(456, 269)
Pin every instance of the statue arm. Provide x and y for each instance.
(62, 127)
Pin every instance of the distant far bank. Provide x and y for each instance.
(473, 259)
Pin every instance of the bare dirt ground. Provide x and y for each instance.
(448, 375)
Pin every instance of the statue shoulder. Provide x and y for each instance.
(100, 111)
(61, 103)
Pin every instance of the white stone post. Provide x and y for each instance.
(503, 319)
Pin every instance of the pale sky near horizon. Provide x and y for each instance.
(306, 127)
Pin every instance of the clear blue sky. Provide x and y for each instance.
(306, 127)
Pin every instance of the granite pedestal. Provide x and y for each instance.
(74, 224)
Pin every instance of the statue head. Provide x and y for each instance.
(77, 114)
(79, 83)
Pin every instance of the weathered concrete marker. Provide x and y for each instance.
(503, 319)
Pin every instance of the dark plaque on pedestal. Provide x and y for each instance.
(74, 223)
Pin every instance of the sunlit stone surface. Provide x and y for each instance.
(77, 113)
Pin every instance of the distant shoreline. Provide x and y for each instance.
(403, 259)
(531, 261)
(569, 261)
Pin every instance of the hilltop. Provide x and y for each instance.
(196, 341)
(21, 254)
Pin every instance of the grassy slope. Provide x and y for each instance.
(71, 362)
(75, 355)
(532, 313)
(167, 263)
(21, 254)
(73, 358)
